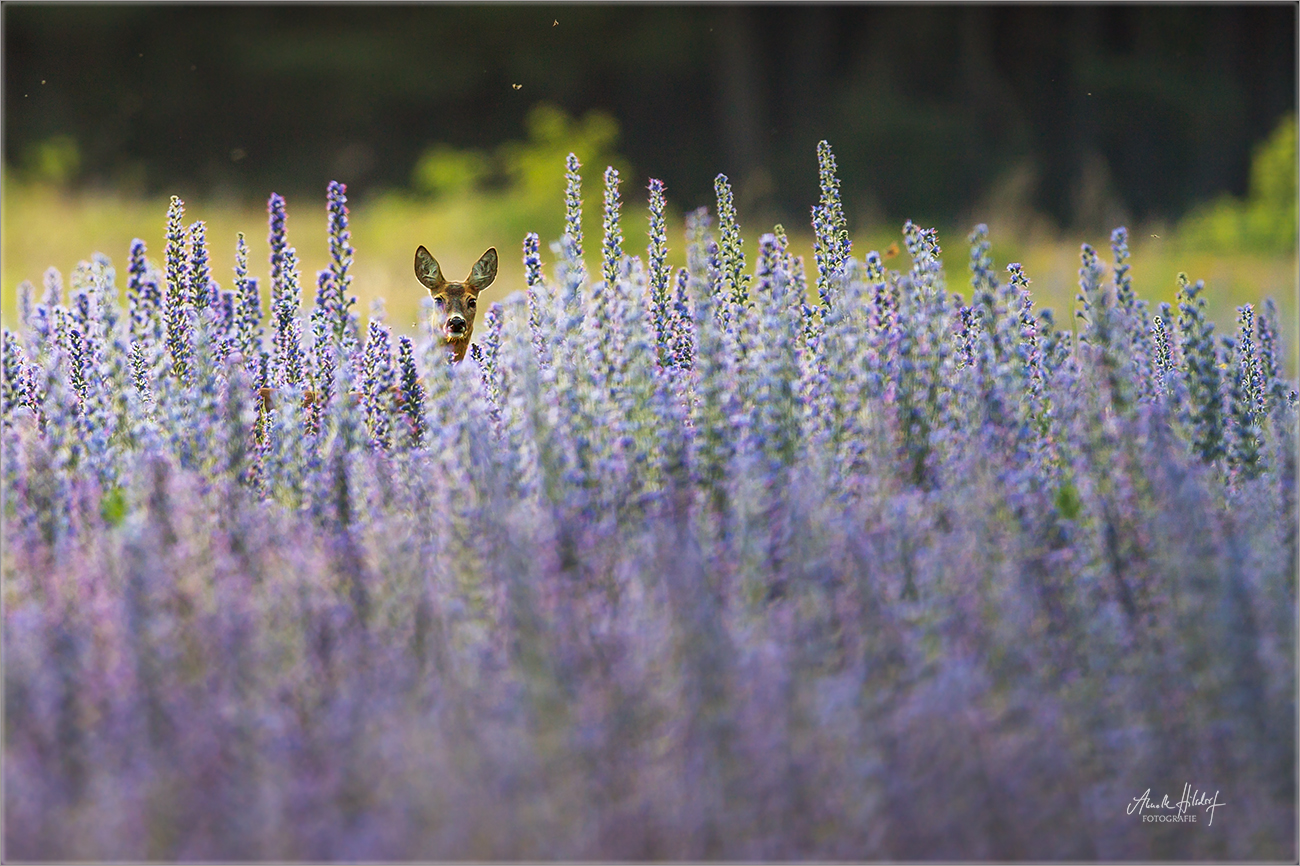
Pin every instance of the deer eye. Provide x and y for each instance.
(440, 301)
(472, 303)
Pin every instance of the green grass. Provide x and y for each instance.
(43, 227)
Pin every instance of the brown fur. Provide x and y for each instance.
(455, 303)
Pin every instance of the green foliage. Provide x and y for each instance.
(113, 506)
(1267, 220)
(1068, 502)
(518, 182)
(532, 166)
(55, 160)
(444, 171)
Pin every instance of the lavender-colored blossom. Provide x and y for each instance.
(140, 373)
(248, 304)
(488, 359)
(1272, 385)
(12, 374)
(831, 244)
(201, 289)
(340, 238)
(683, 330)
(1029, 347)
(1204, 411)
(823, 552)
(1162, 340)
(264, 367)
(378, 383)
(27, 306)
(1094, 308)
(731, 252)
(411, 405)
(540, 309)
(612, 248)
(52, 281)
(573, 203)
(287, 342)
(179, 328)
(659, 302)
(571, 276)
(1124, 296)
(276, 218)
(1244, 397)
(1110, 347)
(777, 369)
(984, 282)
(142, 298)
(323, 364)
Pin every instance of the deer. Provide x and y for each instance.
(456, 302)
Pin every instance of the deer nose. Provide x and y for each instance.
(456, 324)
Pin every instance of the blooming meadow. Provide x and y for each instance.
(754, 559)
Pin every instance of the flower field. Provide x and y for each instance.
(755, 559)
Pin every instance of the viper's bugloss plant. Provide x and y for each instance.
(728, 563)
(378, 381)
(573, 203)
(612, 249)
(200, 274)
(248, 304)
(660, 303)
(12, 376)
(411, 401)
(1202, 372)
(541, 303)
(338, 300)
(179, 313)
(831, 243)
(1245, 396)
(287, 352)
(731, 252)
(277, 217)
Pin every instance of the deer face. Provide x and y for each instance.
(455, 303)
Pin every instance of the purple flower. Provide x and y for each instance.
(731, 252)
(378, 380)
(680, 583)
(180, 337)
(53, 283)
(412, 392)
(248, 305)
(831, 243)
(659, 305)
(276, 217)
(340, 238)
(1245, 396)
(143, 296)
(612, 249)
(1272, 385)
(573, 204)
(202, 292)
(287, 343)
(1124, 296)
(683, 325)
(12, 375)
(1204, 410)
(541, 311)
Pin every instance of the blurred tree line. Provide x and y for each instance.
(932, 110)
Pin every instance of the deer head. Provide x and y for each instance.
(455, 303)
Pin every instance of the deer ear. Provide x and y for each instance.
(427, 270)
(485, 271)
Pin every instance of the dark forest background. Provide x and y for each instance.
(928, 107)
